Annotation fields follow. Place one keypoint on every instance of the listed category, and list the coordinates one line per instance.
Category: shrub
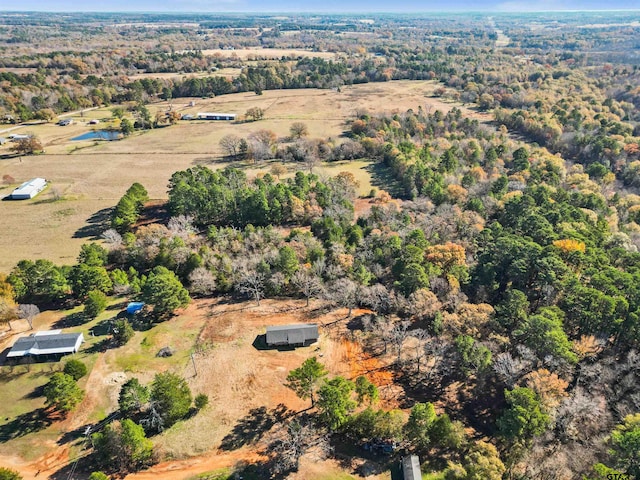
(75, 368)
(8, 474)
(201, 401)
(122, 331)
(95, 304)
(98, 476)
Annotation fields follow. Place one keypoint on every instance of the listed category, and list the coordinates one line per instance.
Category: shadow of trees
(25, 424)
(96, 224)
(71, 320)
(382, 178)
(253, 426)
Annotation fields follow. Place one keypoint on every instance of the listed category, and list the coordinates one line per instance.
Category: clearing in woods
(244, 382)
(87, 178)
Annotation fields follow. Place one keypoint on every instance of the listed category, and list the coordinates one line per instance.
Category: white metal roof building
(52, 342)
(216, 116)
(15, 137)
(411, 468)
(295, 334)
(29, 189)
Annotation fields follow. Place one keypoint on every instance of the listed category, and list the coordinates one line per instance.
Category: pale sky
(351, 6)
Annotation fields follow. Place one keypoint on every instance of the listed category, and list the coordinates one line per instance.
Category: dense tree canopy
(164, 291)
(62, 392)
(170, 397)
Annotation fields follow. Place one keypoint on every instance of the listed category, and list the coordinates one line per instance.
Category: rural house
(298, 334)
(45, 344)
(411, 468)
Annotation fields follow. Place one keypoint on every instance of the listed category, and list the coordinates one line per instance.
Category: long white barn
(216, 116)
(29, 189)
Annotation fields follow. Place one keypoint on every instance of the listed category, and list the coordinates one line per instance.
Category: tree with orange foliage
(446, 256)
(587, 346)
(549, 387)
(358, 127)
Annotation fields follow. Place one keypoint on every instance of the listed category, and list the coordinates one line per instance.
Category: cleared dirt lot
(244, 382)
(91, 176)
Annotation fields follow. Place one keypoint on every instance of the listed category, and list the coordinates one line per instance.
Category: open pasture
(88, 177)
(267, 53)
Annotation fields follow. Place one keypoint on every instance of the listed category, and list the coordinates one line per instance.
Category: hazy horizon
(329, 6)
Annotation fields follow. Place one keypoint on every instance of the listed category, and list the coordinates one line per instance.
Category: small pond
(98, 135)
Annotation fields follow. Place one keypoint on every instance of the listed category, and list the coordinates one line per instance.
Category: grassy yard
(27, 429)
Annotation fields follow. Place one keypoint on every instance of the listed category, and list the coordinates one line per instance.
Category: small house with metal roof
(47, 343)
(298, 334)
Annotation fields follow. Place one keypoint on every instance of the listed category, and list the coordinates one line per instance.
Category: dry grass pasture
(228, 72)
(88, 177)
(267, 53)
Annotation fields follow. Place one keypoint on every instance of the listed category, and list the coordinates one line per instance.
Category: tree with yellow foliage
(446, 256)
(568, 245)
(8, 307)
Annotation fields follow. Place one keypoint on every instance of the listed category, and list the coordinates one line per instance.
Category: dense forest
(503, 258)
(508, 269)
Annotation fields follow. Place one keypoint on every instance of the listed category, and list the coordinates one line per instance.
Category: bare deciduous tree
(231, 145)
(28, 312)
(436, 351)
(202, 281)
(248, 279)
(377, 298)
(296, 439)
(398, 334)
(298, 130)
(580, 416)
(259, 151)
(307, 283)
(344, 293)
(181, 226)
(112, 238)
(509, 369)
(422, 337)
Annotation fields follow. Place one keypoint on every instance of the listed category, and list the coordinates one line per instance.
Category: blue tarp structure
(134, 307)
